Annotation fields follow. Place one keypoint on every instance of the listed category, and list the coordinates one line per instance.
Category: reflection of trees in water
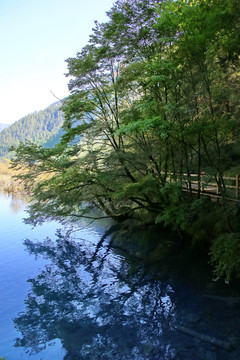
(18, 200)
(98, 309)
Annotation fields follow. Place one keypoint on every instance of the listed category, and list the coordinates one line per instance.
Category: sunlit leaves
(154, 93)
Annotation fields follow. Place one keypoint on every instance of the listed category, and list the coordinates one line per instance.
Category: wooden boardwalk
(208, 186)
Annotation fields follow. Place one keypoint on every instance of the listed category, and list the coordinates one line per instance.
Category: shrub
(225, 255)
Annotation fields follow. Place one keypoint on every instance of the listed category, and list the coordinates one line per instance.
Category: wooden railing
(208, 185)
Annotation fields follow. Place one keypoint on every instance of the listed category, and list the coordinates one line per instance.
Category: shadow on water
(103, 305)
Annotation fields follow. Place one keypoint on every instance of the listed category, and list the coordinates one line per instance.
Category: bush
(225, 256)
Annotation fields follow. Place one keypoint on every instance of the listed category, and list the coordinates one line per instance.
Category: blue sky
(37, 36)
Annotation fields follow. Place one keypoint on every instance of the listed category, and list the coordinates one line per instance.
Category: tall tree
(153, 95)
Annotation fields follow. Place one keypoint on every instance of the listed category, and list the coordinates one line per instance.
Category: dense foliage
(154, 92)
(40, 127)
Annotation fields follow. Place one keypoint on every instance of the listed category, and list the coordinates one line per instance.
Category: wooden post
(202, 180)
(237, 185)
(217, 184)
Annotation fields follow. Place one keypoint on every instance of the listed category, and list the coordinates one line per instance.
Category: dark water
(70, 296)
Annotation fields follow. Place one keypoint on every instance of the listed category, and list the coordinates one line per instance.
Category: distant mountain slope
(40, 127)
(3, 126)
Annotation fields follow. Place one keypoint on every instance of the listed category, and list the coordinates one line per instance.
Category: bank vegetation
(154, 92)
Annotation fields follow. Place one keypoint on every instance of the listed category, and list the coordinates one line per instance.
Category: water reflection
(17, 201)
(94, 306)
(101, 306)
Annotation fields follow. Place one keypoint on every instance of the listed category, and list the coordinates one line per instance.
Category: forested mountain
(3, 126)
(42, 127)
(154, 99)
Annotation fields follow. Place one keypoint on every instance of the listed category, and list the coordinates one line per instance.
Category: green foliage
(153, 93)
(41, 127)
(175, 210)
(205, 221)
(225, 256)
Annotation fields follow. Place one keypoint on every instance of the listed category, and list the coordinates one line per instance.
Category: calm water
(70, 296)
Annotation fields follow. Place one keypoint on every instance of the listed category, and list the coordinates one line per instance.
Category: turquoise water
(69, 296)
(16, 267)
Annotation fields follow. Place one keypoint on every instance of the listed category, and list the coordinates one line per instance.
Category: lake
(66, 294)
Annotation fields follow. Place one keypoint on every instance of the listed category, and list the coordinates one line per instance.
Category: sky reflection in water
(96, 303)
(102, 306)
(85, 300)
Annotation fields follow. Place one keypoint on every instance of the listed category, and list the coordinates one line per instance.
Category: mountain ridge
(3, 126)
(40, 127)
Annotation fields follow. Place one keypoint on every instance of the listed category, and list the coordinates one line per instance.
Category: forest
(3, 126)
(154, 96)
(40, 127)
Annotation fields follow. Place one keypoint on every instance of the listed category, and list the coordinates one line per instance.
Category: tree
(153, 97)
(108, 170)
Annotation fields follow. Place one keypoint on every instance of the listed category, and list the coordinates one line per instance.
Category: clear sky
(36, 37)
